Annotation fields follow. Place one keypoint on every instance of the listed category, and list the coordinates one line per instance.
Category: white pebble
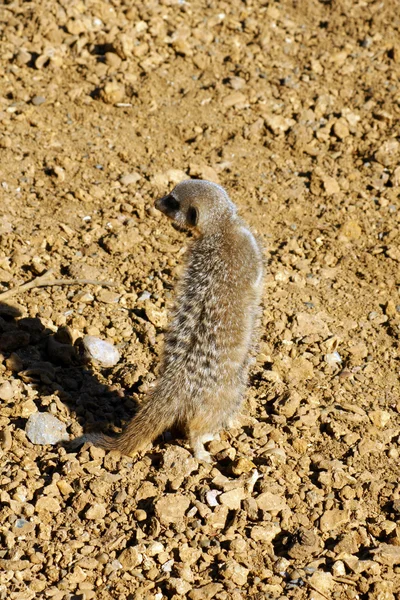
(100, 351)
(44, 428)
(333, 359)
(167, 566)
(211, 497)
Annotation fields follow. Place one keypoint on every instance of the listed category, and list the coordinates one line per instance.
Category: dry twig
(44, 281)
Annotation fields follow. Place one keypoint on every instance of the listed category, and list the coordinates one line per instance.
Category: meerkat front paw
(203, 455)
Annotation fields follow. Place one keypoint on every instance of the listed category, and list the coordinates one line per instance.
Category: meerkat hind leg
(197, 443)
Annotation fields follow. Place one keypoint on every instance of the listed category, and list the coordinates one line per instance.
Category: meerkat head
(198, 204)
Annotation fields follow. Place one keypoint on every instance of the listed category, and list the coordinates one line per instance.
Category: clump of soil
(294, 108)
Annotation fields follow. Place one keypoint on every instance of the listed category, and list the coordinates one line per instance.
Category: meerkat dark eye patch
(192, 216)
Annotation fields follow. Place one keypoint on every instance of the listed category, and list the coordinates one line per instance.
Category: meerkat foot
(203, 455)
(209, 437)
(199, 451)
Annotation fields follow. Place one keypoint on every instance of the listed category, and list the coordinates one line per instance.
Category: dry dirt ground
(294, 107)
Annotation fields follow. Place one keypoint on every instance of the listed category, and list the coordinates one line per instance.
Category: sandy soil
(294, 107)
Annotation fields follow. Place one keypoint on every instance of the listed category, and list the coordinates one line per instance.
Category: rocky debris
(130, 178)
(178, 463)
(171, 508)
(6, 391)
(44, 428)
(99, 351)
(310, 324)
(269, 502)
(96, 512)
(386, 554)
(333, 519)
(235, 572)
(303, 492)
(205, 592)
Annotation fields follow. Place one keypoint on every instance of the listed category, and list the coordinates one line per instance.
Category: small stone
(388, 153)
(155, 548)
(175, 176)
(333, 359)
(112, 60)
(211, 497)
(38, 100)
(75, 26)
(341, 129)
(333, 519)
(233, 571)
(65, 488)
(237, 83)
(45, 428)
(23, 57)
(204, 172)
(96, 512)
(206, 592)
(6, 391)
(84, 297)
(278, 123)
(26, 409)
(310, 324)
(189, 555)
(289, 404)
(140, 514)
(180, 586)
(171, 508)
(182, 47)
(338, 569)
(393, 252)
(390, 309)
(157, 317)
(331, 186)
(281, 566)
(235, 99)
(351, 230)
(108, 297)
(167, 566)
(271, 502)
(100, 351)
(380, 418)
(130, 558)
(386, 554)
(265, 533)
(5, 439)
(112, 93)
(242, 466)
(129, 178)
(322, 582)
(178, 462)
(47, 504)
(368, 446)
(233, 498)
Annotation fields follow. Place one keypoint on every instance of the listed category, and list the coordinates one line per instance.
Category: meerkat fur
(213, 328)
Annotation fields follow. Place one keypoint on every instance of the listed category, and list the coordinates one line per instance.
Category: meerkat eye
(171, 203)
(192, 216)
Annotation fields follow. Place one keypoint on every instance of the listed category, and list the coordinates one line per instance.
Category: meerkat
(213, 328)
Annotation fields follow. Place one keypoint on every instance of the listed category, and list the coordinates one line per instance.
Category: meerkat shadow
(48, 361)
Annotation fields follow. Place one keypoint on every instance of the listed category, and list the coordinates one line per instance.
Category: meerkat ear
(192, 216)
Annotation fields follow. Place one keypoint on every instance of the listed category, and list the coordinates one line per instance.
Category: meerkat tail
(153, 418)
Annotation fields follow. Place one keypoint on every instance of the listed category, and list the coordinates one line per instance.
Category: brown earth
(294, 107)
